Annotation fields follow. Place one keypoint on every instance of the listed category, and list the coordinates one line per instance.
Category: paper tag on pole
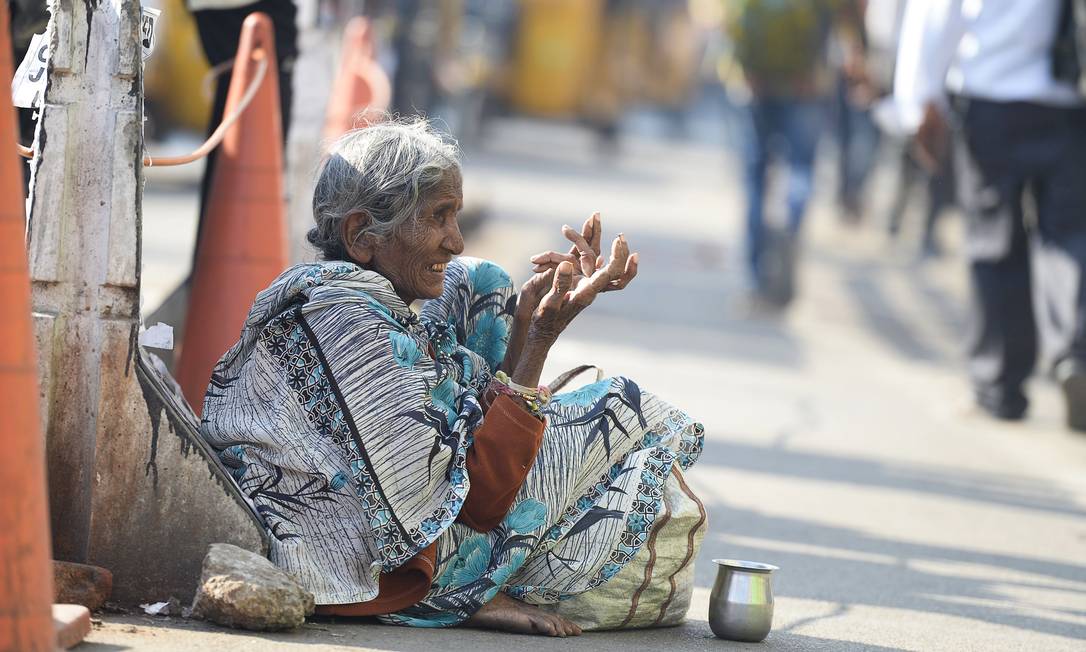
(148, 20)
(28, 85)
(159, 336)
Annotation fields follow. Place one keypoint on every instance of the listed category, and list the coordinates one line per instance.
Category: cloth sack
(655, 588)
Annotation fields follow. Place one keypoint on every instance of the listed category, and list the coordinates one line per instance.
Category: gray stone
(241, 589)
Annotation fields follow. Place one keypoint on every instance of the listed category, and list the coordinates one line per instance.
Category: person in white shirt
(982, 71)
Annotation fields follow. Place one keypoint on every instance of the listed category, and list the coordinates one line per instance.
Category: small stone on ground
(241, 589)
(82, 584)
(72, 623)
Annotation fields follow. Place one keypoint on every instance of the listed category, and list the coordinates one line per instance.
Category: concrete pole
(132, 487)
(26, 582)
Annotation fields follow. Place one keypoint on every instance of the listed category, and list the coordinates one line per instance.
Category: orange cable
(215, 139)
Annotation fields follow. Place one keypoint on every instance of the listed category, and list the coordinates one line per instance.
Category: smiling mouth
(439, 268)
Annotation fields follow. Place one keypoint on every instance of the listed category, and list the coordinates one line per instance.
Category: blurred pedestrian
(781, 46)
(1019, 146)
(937, 190)
(882, 28)
(857, 134)
(219, 24)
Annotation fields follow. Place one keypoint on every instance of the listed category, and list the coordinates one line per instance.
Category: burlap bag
(654, 589)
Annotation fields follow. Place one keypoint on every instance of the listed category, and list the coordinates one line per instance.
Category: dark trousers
(1022, 183)
(938, 191)
(220, 31)
(795, 124)
(857, 144)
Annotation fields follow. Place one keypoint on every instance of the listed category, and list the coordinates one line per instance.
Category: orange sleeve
(498, 461)
(397, 590)
(504, 450)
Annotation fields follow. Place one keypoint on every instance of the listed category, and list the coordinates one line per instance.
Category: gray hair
(384, 171)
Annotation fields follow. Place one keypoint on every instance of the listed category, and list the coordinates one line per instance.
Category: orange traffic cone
(26, 594)
(243, 244)
(362, 91)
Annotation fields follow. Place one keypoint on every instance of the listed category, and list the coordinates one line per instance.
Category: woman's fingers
(627, 275)
(563, 280)
(585, 253)
(589, 231)
(539, 283)
(587, 289)
(616, 267)
(551, 256)
(597, 233)
(549, 259)
(592, 232)
(620, 255)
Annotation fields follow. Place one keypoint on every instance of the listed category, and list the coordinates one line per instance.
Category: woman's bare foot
(510, 615)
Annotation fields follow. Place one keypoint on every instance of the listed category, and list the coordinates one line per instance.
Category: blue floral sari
(346, 420)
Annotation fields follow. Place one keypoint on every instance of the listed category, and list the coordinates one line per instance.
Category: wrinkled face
(414, 259)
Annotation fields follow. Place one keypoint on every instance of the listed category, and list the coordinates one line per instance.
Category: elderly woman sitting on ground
(410, 466)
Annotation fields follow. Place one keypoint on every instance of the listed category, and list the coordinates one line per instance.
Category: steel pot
(741, 604)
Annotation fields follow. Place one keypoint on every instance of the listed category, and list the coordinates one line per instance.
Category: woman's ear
(359, 247)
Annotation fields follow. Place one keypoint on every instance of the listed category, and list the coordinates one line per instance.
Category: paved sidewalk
(840, 442)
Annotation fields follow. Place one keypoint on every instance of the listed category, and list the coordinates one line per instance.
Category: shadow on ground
(1000, 489)
(693, 635)
(846, 566)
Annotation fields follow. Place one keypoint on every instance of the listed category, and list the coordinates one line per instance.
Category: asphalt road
(840, 442)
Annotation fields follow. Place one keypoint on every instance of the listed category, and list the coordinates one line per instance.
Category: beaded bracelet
(535, 398)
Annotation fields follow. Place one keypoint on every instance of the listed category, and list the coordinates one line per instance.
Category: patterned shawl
(347, 437)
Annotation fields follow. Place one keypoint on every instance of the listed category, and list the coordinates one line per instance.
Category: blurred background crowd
(805, 98)
(865, 88)
(824, 67)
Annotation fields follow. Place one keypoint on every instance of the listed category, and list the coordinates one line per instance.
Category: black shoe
(1072, 377)
(1002, 406)
(778, 268)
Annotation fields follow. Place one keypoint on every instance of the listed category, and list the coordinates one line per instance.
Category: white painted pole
(131, 485)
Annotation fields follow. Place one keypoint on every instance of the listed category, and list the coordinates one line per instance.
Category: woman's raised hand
(572, 290)
(563, 286)
(585, 256)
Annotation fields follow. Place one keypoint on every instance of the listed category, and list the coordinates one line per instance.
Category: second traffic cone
(243, 245)
(26, 595)
(362, 91)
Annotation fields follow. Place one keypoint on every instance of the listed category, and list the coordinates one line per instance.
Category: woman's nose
(454, 241)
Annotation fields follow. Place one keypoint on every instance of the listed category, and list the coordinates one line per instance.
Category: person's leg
(219, 31)
(907, 172)
(1002, 340)
(867, 140)
(803, 123)
(940, 190)
(859, 143)
(1061, 249)
(755, 163)
(843, 130)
